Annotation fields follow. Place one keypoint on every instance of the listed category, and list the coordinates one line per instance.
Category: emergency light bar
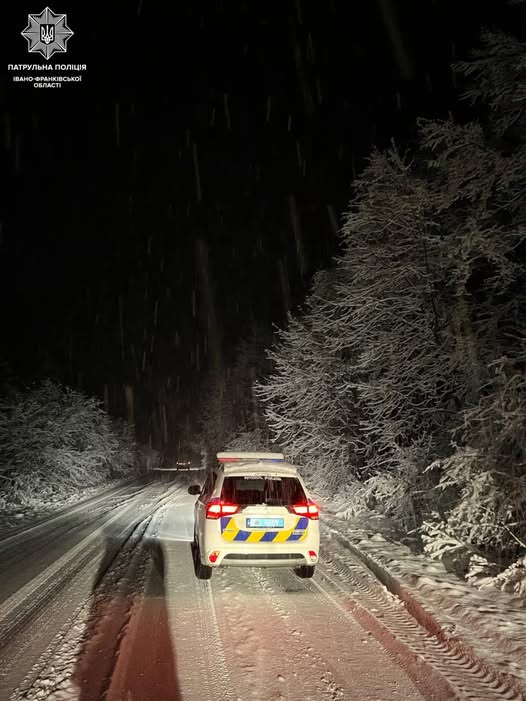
(250, 457)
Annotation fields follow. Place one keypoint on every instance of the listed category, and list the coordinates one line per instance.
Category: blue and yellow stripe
(231, 532)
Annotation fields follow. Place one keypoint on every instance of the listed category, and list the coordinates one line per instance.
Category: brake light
(310, 510)
(216, 508)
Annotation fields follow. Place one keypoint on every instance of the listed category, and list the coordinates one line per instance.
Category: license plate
(265, 523)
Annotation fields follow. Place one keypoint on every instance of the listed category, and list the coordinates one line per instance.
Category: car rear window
(274, 491)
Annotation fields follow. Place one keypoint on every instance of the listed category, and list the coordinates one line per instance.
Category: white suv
(254, 511)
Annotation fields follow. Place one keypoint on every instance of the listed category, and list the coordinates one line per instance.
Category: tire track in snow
(184, 651)
(284, 641)
(21, 559)
(430, 684)
(348, 657)
(122, 579)
(84, 658)
(54, 575)
(18, 609)
(220, 675)
(379, 611)
(42, 527)
(308, 656)
(201, 665)
(254, 654)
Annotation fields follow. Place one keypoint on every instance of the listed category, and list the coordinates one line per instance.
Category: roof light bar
(250, 457)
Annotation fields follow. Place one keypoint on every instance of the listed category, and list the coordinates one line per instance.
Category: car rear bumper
(260, 557)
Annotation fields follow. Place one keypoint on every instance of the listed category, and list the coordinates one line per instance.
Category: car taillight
(310, 510)
(216, 508)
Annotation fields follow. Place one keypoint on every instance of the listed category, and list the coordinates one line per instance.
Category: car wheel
(201, 571)
(305, 571)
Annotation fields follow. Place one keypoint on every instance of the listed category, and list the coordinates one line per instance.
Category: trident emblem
(47, 33)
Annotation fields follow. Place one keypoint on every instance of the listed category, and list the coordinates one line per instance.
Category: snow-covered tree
(308, 406)
(398, 356)
(395, 317)
(481, 191)
(231, 411)
(497, 71)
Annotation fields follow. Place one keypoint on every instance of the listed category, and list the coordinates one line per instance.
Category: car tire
(305, 571)
(201, 571)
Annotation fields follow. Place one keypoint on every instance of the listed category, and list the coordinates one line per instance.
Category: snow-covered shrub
(351, 499)
(481, 572)
(254, 440)
(488, 472)
(405, 494)
(441, 543)
(513, 578)
(488, 575)
(55, 441)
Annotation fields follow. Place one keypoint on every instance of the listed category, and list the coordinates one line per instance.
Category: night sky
(189, 187)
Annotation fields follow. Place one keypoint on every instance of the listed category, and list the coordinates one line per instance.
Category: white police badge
(47, 33)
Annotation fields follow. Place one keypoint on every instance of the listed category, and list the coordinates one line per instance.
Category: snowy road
(104, 604)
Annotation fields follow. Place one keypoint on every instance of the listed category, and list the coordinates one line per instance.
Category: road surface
(101, 602)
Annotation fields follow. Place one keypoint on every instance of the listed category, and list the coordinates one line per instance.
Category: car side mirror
(194, 489)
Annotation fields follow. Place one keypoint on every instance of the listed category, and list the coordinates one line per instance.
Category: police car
(254, 511)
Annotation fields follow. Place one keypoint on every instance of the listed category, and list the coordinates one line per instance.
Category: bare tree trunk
(468, 348)
(130, 408)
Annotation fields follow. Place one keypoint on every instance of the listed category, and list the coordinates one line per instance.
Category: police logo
(47, 33)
